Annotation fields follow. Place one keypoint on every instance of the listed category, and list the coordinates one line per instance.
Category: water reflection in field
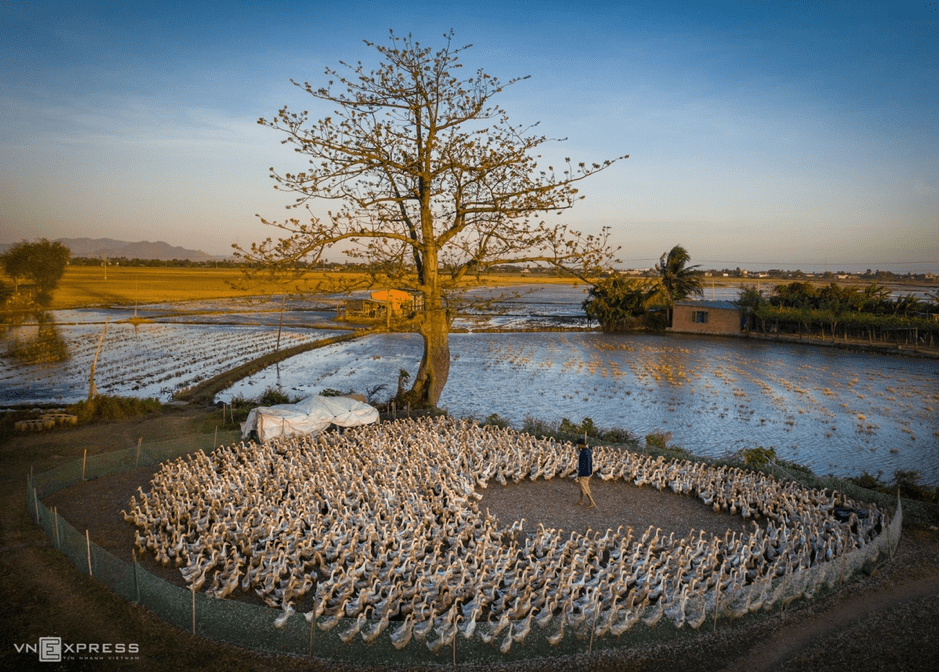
(145, 360)
(834, 411)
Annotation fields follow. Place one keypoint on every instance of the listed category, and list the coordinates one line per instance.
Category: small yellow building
(382, 304)
(399, 300)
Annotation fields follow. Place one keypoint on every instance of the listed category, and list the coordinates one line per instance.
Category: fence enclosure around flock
(252, 626)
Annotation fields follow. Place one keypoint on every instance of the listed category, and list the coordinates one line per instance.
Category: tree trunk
(435, 365)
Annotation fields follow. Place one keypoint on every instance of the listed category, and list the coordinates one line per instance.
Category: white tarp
(309, 416)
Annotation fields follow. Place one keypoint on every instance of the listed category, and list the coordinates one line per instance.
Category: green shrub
(273, 396)
(658, 440)
(497, 420)
(107, 407)
(677, 453)
(869, 482)
(238, 409)
(587, 426)
(758, 457)
(534, 426)
(240, 406)
(907, 482)
(619, 435)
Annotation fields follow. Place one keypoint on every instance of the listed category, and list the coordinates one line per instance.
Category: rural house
(382, 305)
(708, 317)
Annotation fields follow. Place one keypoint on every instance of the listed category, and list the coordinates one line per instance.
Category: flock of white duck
(379, 528)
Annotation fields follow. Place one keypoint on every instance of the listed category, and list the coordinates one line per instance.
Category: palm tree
(677, 278)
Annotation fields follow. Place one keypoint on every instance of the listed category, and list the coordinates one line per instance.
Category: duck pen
(591, 613)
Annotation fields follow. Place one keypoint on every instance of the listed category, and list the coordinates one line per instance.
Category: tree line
(171, 263)
(870, 312)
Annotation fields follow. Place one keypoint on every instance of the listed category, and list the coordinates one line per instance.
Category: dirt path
(205, 391)
(792, 640)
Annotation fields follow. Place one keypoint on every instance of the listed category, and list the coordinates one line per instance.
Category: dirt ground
(886, 621)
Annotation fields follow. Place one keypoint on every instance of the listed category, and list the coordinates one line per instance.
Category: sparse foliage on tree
(431, 184)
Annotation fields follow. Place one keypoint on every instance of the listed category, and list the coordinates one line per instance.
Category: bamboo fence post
(84, 461)
(717, 595)
(280, 327)
(88, 549)
(55, 519)
(136, 578)
(312, 630)
(36, 504)
(215, 442)
(844, 558)
(137, 458)
(596, 615)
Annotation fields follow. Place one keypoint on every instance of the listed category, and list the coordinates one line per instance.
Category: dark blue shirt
(585, 462)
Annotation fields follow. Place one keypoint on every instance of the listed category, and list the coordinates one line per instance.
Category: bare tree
(432, 183)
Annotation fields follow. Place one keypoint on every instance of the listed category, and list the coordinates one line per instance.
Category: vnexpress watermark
(54, 650)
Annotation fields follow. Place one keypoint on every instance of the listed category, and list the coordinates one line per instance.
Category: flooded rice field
(181, 346)
(835, 411)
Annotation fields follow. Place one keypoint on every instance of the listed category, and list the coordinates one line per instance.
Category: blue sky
(760, 134)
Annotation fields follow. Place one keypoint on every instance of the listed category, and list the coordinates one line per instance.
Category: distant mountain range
(110, 248)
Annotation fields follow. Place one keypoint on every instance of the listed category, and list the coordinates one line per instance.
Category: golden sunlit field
(84, 286)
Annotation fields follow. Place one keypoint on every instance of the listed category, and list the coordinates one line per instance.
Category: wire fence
(252, 626)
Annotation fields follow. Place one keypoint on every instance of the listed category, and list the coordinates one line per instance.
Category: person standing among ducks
(584, 472)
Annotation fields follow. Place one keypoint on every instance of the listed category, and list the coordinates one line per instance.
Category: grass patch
(906, 483)
(106, 407)
(236, 411)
